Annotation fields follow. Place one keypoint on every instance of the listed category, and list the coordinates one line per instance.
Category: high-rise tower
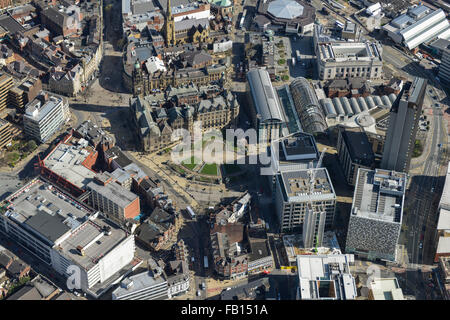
(403, 123)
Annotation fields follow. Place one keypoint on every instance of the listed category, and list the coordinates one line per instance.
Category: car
(439, 145)
(420, 245)
(199, 293)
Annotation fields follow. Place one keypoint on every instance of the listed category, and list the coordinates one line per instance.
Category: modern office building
(376, 214)
(45, 115)
(442, 238)
(111, 198)
(68, 236)
(265, 108)
(403, 124)
(24, 92)
(293, 195)
(148, 285)
(5, 133)
(325, 277)
(444, 67)
(341, 59)
(385, 289)
(307, 106)
(354, 152)
(6, 83)
(294, 152)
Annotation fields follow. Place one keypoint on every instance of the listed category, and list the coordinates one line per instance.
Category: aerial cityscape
(224, 150)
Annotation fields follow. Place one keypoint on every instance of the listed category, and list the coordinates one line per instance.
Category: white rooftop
(66, 160)
(443, 245)
(444, 219)
(285, 9)
(386, 289)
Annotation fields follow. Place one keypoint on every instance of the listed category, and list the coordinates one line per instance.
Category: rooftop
(114, 192)
(36, 110)
(326, 277)
(386, 289)
(379, 194)
(444, 220)
(296, 185)
(139, 282)
(443, 246)
(301, 146)
(47, 212)
(445, 197)
(96, 238)
(358, 145)
(264, 97)
(67, 160)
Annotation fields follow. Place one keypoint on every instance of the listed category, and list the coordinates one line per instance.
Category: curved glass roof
(285, 9)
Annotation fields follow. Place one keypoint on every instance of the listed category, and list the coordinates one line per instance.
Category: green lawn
(210, 169)
(191, 163)
(418, 149)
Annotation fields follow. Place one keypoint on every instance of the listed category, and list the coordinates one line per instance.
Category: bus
(191, 212)
(206, 262)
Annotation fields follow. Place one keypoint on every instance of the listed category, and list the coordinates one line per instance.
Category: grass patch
(209, 169)
(281, 62)
(418, 149)
(191, 163)
(285, 77)
(178, 169)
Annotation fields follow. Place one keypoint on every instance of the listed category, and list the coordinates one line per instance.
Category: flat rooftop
(138, 282)
(66, 160)
(386, 289)
(318, 276)
(300, 146)
(95, 242)
(347, 51)
(48, 212)
(444, 219)
(358, 145)
(293, 244)
(379, 194)
(115, 192)
(36, 110)
(297, 185)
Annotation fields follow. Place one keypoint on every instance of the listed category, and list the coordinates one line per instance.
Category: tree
(31, 146)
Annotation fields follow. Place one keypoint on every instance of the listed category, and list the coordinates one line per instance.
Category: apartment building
(293, 196)
(45, 115)
(5, 133)
(6, 83)
(109, 197)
